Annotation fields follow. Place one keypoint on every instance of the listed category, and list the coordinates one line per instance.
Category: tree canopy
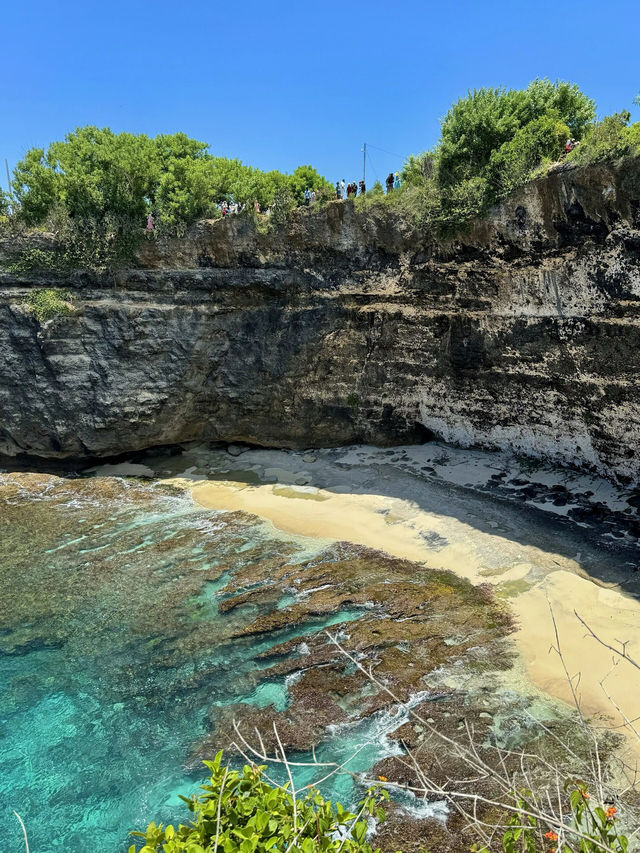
(484, 120)
(96, 173)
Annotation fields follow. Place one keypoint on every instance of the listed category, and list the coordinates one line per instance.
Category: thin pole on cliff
(6, 165)
(364, 164)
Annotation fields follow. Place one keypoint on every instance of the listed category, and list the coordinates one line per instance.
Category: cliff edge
(350, 325)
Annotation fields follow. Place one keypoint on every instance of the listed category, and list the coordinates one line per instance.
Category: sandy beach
(534, 580)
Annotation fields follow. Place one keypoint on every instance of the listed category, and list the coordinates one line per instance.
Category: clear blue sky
(280, 83)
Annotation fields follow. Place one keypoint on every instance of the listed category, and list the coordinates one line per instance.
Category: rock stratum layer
(350, 326)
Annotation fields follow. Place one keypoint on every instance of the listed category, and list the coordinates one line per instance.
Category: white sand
(612, 615)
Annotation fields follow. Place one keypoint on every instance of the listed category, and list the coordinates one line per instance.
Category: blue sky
(280, 83)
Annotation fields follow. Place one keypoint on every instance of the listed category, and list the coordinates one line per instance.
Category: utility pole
(364, 164)
(6, 165)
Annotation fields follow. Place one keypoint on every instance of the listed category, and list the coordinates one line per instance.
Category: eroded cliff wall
(351, 327)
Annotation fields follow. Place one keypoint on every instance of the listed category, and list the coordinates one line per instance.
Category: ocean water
(113, 651)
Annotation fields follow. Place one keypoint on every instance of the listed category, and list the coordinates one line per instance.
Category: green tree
(306, 177)
(92, 172)
(36, 186)
(486, 119)
(418, 168)
(95, 174)
(186, 192)
(512, 164)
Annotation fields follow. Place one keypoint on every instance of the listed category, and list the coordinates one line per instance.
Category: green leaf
(359, 831)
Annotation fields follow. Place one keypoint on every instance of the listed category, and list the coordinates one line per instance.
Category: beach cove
(188, 589)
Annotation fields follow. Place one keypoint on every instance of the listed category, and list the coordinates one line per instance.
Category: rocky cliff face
(351, 327)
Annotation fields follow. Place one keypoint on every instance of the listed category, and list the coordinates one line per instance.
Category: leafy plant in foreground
(240, 813)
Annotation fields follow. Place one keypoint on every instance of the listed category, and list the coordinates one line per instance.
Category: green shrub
(486, 119)
(513, 163)
(418, 168)
(608, 139)
(48, 303)
(283, 203)
(239, 813)
(34, 259)
(462, 202)
(82, 243)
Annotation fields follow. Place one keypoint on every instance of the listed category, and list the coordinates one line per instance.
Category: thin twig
(290, 775)
(224, 779)
(621, 653)
(24, 831)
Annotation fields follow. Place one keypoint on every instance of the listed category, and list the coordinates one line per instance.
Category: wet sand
(534, 580)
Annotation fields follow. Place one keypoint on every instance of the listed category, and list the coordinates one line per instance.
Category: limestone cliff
(351, 326)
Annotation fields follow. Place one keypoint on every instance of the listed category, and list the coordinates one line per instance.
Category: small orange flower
(382, 778)
(585, 795)
(552, 836)
(611, 811)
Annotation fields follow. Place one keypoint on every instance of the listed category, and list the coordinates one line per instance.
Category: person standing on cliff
(149, 222)
(389, 182)
(338, 190)
(313, 196)
(342, 186)
(396, 181)
(363, 188)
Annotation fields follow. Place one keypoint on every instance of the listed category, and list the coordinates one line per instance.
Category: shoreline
(532, 579)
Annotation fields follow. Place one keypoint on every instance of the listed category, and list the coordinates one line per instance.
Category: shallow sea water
(113, 650)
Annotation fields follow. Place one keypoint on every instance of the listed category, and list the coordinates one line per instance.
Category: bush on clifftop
(479, 124)
(608, 139)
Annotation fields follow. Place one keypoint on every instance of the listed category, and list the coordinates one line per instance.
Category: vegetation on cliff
(495, 140)
(47, 303)
(94, 188)
(95, 173)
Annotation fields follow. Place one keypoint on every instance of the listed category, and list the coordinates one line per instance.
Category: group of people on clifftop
(351, 190)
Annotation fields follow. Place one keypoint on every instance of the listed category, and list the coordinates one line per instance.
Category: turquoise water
(113, 650)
